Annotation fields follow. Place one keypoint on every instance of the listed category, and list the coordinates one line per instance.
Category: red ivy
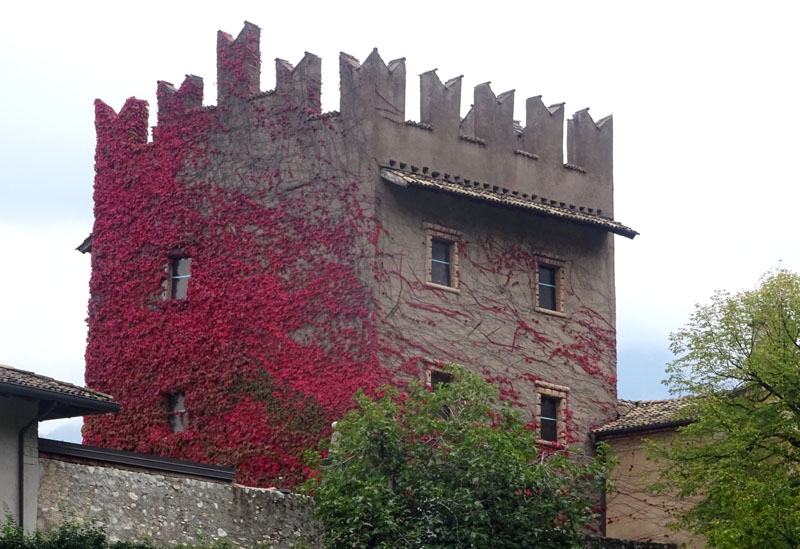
(280, 326)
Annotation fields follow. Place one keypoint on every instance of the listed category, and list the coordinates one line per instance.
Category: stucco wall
(133, 505)
(15, 414)
(633, 512)
(491, 325)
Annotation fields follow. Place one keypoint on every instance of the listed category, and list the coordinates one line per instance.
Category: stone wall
(135, 505)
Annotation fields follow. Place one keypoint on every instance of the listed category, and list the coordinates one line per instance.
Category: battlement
(487, 143)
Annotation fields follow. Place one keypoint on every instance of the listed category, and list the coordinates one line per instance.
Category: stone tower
(259, 261)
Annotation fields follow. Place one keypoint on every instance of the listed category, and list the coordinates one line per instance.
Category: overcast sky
(705, 119)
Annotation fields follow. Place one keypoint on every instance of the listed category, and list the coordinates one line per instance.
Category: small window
(442, 257)
(180, 273)
(549, 418)
(178, 418)
(549, 286)
(551, 399)
(441, 262)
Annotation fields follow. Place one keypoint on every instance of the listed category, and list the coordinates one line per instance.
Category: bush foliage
(450, 468)
(78, 536)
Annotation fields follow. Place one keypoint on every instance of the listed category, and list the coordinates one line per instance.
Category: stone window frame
(439, 232)
(560, 392)
(560, 266)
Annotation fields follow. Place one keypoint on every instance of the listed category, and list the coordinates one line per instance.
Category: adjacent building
(26, 399)
(633, 511)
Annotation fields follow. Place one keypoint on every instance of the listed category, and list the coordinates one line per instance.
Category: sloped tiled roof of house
(643, 415)
(68, 399)
(494, 194)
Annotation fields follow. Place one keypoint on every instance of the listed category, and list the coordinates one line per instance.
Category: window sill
(550, 312)
(441, 287)
(550, 444)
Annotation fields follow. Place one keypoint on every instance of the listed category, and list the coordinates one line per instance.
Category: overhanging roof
(502, 197)
(644, 415)
(56, 398)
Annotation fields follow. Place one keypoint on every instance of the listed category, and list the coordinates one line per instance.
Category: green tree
(450, 468)
(740, 457)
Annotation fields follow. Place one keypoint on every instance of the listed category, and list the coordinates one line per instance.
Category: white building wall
(15, 413)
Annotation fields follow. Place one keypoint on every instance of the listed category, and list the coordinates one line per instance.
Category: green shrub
(80, 536)
(450, 468)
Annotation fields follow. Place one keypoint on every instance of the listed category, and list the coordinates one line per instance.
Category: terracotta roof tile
(494, 194)
(12, 377)
(640, 415)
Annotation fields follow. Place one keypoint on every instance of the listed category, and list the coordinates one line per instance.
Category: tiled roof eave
(405, 179)
(609, 431)
(636, 416)
(70, 404)
(66, 399)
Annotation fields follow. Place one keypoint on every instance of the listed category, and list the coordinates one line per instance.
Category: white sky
(703, 96)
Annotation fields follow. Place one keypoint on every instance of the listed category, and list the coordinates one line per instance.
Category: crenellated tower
(259, 261)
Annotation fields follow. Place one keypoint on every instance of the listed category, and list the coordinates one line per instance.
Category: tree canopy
(453, 467)
(739, 459)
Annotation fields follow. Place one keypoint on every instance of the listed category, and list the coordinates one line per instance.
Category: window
(179, 272)
(549, 286)
(548, 418)
(440, 261)
(176, 412)
(439, 379)
(442, 257)
(551, 402)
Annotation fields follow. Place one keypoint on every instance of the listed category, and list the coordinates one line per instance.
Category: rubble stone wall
(140, 505)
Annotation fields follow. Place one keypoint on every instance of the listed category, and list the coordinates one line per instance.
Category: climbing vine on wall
(273, 338)
(298, 295)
